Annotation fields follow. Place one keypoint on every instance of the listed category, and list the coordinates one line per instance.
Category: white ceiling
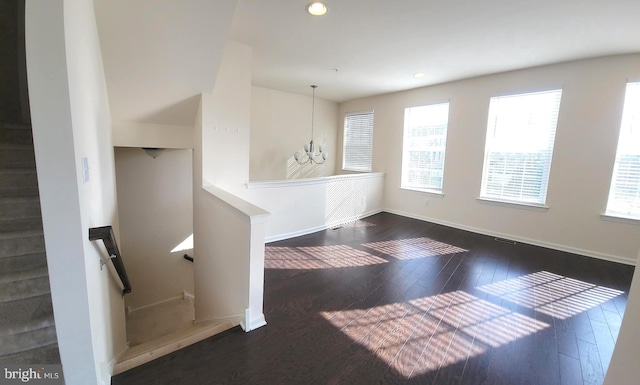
(377, 45)
(159, 55)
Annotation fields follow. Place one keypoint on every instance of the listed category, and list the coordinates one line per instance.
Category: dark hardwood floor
(392, 300)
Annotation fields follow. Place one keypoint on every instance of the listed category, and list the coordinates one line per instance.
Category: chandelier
(311, 155)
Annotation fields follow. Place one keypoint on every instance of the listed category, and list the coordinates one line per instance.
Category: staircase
(27, 330)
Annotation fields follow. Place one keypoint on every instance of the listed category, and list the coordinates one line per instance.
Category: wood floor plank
(570, 371)
(392, 300)
(590, 362)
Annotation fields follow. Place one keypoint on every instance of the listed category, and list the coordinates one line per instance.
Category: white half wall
(304, 206)
(281, 125)
(585, 146)
(155, 203)
(71, 127)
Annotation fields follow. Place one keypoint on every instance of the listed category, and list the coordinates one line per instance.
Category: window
(624, 195)
(520, 134)
(423, 147)
(358, 141)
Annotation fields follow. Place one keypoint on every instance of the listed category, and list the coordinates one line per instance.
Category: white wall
(624, 368)
(228, 242)
(155, 204)
(139, 134)
(71, 121)
(307, 205)
(281, 125)
(585, 146)
(226, 121)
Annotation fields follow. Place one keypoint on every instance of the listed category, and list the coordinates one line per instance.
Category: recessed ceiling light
(317, 8)
(418, 75)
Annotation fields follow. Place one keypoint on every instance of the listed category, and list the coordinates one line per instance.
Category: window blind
(624, 193)
(423, 147)
(358, 142)
(519, 144)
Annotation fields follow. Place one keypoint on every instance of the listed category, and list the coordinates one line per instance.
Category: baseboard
(548, 245)
(325, 226)
(107, 367)
(183, 296)
(248, 324)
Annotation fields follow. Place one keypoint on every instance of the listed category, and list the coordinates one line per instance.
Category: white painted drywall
(281, 125)
(139, 134)
(303, 206)
(226, 120)
(624, 368)
(155, 204)
(583, 157)
(71, 121)
(228, 244)
(160, 55)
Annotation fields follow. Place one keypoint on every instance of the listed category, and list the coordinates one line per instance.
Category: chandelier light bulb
(309, 149)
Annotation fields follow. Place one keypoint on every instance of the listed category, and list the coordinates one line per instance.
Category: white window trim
(344, 140)
(626, 122)
(429, 190)
(513, 202)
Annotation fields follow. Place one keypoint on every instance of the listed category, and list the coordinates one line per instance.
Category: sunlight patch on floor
(552, 294)
(421, 335)
(317, 257)
(414, 248)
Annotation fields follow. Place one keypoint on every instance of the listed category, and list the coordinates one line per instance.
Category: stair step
(170, 343)
(16, 134)
(31, 336)
(18, 193)
(25, 310)
(24, 275)
(33, 324)
(44, 355)
(14, 207)
(23, 285)
(18, 126)
(20, 224)
(20, 263)
(17, 156)
(18, 178)
(21, 243)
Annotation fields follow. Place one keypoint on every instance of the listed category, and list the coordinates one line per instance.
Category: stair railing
(105, 233)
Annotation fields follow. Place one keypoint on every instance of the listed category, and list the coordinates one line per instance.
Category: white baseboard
(554, 246)
(325, 226)
(180, 297)
(248, 324)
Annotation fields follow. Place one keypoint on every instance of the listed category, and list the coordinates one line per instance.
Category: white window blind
(624, 194)
(358, 141)
(423, 147)
(520, 135)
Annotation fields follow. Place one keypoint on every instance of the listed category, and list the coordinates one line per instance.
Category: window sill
(620, 219)
(430, 192)
(514, 204)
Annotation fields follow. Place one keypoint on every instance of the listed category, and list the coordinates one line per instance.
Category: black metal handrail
(106, 234)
